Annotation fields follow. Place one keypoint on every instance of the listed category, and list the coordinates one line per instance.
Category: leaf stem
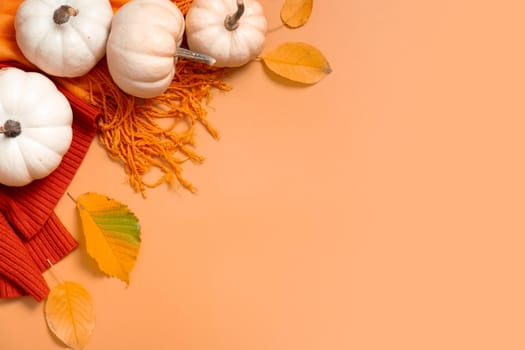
(53, 272)
(71, 197)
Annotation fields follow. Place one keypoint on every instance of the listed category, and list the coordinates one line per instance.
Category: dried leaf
(295, 13)
(70, 314)
(298, 61)
(112, 234)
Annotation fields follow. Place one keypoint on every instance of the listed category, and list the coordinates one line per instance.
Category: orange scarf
(144, 135)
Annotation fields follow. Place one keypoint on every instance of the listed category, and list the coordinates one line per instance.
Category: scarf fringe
(156, 133)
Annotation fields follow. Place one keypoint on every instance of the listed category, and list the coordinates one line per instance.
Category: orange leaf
(298, 62)
(112, 234)
(295, 13)
(69, 314)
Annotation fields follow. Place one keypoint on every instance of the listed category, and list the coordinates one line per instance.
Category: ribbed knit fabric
(28, 207)
(28, 212)
(52, 243)
(17, 266)
(9, 290)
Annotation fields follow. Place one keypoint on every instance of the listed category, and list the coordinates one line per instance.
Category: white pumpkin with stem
(35, 126)
(64, 38)
(231, 31)
(144, 45)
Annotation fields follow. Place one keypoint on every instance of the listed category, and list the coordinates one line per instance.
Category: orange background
(379, 209)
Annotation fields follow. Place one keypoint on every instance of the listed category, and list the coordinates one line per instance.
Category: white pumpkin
(64, 38)
(233, 32)
(144, 45)
(35, 126)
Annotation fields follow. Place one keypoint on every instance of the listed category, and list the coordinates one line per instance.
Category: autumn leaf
(295, 13)
(70, 314)
(299, 62)
(112, 234)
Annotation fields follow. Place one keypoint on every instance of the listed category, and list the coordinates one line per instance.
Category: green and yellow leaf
(296, 13)
(112, 234)
(70, 314)
(297, 61)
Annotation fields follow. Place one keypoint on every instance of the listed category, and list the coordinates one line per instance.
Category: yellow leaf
(297, 61)
(70, 314)
(112, 234)
(295, 13)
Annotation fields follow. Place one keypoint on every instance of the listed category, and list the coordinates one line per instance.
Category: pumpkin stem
(231, 22)
(63, 13)
(11, 128)
(195, 56)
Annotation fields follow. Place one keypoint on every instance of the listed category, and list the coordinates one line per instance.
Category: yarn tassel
(156, 133)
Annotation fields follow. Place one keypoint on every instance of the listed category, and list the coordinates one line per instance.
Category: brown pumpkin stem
(63, 13)
(195, 56)
(231, 22)
(11, 128)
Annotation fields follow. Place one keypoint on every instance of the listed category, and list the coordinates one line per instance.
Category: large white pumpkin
(144, 45)
(35, 126)
(64, 38)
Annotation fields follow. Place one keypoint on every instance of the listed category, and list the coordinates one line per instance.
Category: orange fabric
(129, 127)
(28, 211)
(8, 49)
